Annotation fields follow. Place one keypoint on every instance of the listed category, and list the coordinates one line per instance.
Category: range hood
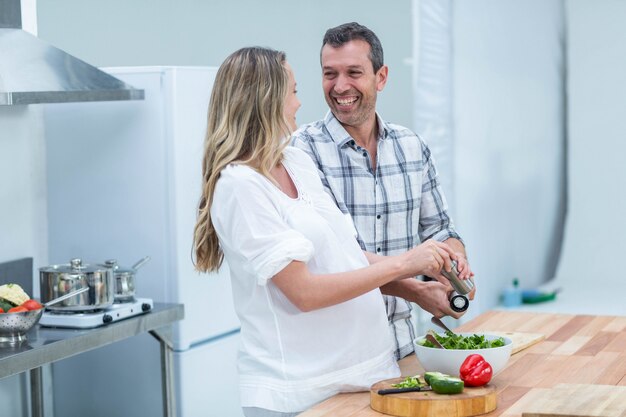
(32, 71)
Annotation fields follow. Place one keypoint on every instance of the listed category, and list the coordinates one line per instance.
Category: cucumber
(5, 305)
(447, 385)
(432, 375)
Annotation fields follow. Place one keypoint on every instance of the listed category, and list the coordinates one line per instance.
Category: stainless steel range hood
(32, 71)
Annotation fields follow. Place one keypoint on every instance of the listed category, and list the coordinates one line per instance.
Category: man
(380, 173)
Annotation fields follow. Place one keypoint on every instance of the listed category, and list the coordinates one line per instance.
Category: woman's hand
(429, 258)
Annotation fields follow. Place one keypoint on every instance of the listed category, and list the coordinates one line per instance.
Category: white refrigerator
(123, 182)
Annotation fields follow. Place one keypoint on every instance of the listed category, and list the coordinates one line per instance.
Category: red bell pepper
(475, 371)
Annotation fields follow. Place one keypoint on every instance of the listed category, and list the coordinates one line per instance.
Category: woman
(313, 322)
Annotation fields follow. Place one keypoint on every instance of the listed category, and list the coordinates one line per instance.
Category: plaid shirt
(393, 208)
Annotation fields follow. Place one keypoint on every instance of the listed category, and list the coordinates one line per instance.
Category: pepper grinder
(458, 300)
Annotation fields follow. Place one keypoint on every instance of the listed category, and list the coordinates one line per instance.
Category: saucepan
(59, 280)
(124, 279)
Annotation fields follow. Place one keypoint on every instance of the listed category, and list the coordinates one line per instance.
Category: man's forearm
(406, 288)
(430, 296)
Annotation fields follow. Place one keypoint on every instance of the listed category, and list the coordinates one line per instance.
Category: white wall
(597, 131)
(589, 271)
(22, 185)
(195, 32)
(509, 135)
(537, 138)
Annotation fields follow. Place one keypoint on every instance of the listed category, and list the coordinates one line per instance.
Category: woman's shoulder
(238, 172)
(237, 177)
(240, 186)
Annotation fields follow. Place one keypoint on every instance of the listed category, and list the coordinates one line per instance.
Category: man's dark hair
(347, 32)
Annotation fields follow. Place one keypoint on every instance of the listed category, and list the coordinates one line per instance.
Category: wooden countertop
(578, 349)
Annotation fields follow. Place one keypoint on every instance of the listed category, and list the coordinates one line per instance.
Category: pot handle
(140, 263)
(66, 296)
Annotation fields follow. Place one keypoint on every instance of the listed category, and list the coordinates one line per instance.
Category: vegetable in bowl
(13, 299)
(18, 314)
(457, 341)
(495, 349)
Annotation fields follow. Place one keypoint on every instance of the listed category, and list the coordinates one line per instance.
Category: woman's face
(292, 104)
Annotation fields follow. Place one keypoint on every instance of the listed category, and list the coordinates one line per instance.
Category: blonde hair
(245, 125)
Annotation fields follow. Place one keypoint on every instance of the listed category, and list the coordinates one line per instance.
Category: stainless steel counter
(47, 345)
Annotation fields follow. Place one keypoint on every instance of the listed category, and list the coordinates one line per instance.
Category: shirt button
(352, 142)
(378, 216)
(364, 153)
(377, 249)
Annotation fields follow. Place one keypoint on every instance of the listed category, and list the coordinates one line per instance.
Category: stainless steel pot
(124, 279)
(59, 280)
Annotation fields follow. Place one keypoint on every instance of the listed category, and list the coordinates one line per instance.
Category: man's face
(349, 82)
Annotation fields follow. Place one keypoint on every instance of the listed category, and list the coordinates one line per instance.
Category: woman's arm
(431, 296)
(311, 292)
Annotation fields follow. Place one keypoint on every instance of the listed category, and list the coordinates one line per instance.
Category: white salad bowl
(448, 361)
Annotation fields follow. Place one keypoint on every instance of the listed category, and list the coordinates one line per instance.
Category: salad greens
(409, 382)
(456, 341)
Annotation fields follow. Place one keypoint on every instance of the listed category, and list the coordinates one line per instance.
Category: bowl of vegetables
(18, 313)
(496, 350)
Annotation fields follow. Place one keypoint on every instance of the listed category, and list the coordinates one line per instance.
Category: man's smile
(346, 101)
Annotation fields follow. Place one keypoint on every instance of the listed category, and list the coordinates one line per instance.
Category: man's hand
(462, 266)
(432, 296)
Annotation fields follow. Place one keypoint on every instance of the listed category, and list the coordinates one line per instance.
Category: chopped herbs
(456, 341)
(409, 382)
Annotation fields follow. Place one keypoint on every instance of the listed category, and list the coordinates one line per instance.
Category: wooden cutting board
(580, 400)
(471, 402)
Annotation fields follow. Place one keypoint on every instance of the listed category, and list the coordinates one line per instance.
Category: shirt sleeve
(248, 222)
(435, 223)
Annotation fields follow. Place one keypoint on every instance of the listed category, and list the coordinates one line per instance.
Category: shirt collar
(341, 137)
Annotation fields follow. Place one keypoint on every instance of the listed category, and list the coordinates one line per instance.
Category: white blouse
(290, 360)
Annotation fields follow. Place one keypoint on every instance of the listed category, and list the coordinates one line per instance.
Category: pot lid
(76, 266)
(112, 263)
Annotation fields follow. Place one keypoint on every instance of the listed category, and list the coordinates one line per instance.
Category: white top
(290, 360)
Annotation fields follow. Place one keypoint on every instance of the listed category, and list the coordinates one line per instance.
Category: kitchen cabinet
(47, 345)
(577, 349)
